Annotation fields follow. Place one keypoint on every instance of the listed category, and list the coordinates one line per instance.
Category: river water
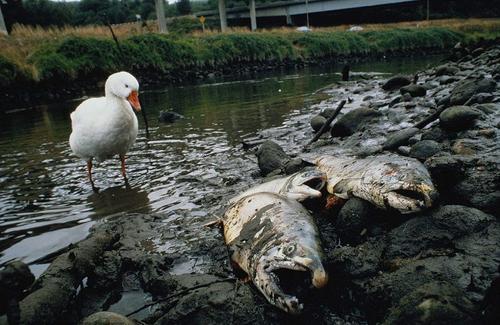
(46, 202)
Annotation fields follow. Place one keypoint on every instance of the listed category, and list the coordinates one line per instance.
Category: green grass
(93, 58)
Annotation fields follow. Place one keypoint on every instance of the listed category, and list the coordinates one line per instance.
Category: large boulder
(396, 83)
(271, 157)
(353, 121)
(457, 118)
(466, 89)
(413, 90)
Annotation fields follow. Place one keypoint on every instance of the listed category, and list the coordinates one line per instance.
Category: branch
(327, 123)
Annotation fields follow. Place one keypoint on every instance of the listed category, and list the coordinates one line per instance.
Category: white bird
(106, 126)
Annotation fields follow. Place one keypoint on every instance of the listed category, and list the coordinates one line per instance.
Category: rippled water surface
(47, 203)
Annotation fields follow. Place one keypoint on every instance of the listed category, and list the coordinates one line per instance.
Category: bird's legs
(124, 174)
(89, 171)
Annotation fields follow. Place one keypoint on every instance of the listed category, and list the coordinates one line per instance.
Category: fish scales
(267, 232)
(389, 181)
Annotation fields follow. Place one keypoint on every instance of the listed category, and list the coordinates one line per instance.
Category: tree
(184, 7)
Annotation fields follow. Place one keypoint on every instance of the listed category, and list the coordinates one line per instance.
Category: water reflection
(119, 199)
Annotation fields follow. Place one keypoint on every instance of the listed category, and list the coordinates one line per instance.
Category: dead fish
(269, 237)
(299, 186)
(388, 181)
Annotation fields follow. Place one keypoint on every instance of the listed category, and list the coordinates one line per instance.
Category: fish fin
(213, 223)
(334, 200)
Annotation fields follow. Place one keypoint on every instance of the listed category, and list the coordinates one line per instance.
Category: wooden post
(3, 28)
(222, 15)
(427, 9)
(160, 15)
(253, 16)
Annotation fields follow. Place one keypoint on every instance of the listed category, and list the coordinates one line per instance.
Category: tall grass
(59, 55)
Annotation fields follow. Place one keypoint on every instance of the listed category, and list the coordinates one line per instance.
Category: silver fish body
(268, 233)
(388, 181)
(299, 186)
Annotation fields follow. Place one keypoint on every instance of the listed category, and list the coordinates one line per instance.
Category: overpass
(288, 9)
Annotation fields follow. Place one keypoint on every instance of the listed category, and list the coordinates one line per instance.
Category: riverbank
(53, 68)
(384, 267)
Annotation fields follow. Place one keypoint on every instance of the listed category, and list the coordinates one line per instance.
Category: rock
(327, 112)
(396, 83)
(491, 301)
(458, 118)
(169, 116)
(435, 133)
(464, 147)
(413, 90)
(444, 80)
(15, 277)
(395, 101)
(435, 302)
(399, 138)
(217, 303)
(406, 97)
(353, 121)
(489, 108)
(352, 219)
(446, 70)
(271, 157)
(107, 318)
(445, 170)
(466, 89)
(294, 165)
(435, 230)
(480, 98)
(424, 149)
(317, 122)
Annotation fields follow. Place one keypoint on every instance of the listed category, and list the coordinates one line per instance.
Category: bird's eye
(126, 86)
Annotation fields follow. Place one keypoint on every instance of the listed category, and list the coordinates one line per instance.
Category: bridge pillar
(289, 20)
(222, 15)
(253, 16)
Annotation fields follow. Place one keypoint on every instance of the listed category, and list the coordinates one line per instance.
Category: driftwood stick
(55, 289)
(430, 118)
(180, 293)
(327, 123)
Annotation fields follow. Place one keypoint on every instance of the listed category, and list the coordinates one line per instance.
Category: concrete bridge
(289, 9)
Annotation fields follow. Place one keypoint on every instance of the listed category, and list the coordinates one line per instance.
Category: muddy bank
(441, 265)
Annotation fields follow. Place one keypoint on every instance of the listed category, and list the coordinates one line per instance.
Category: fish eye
(289, 249)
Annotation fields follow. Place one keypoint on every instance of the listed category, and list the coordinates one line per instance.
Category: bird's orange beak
(133, 99)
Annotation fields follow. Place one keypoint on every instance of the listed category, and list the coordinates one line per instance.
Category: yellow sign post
(202, 21)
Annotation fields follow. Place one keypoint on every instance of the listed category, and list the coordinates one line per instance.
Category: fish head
(305, 185)
(405, 186)
(287, 272)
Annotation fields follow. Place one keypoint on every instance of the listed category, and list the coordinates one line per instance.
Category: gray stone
(413, 90)
(446, 70)
(353, 121)
(270, 157)
(352, 219)
(396, 83)
(317, 122)
(399, 138)
(424, 149)
(468, 88)
(107, 318)
(436, 302)
(328, 112)
(457, 118)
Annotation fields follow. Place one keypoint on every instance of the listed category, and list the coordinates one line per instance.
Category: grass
(57, 55)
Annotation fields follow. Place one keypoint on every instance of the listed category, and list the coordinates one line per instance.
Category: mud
(438, 266)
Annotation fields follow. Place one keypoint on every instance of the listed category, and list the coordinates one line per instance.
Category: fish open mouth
(408, 200)
(291, 284)
(317, 183)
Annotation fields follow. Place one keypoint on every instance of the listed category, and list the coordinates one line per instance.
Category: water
(180, 171)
